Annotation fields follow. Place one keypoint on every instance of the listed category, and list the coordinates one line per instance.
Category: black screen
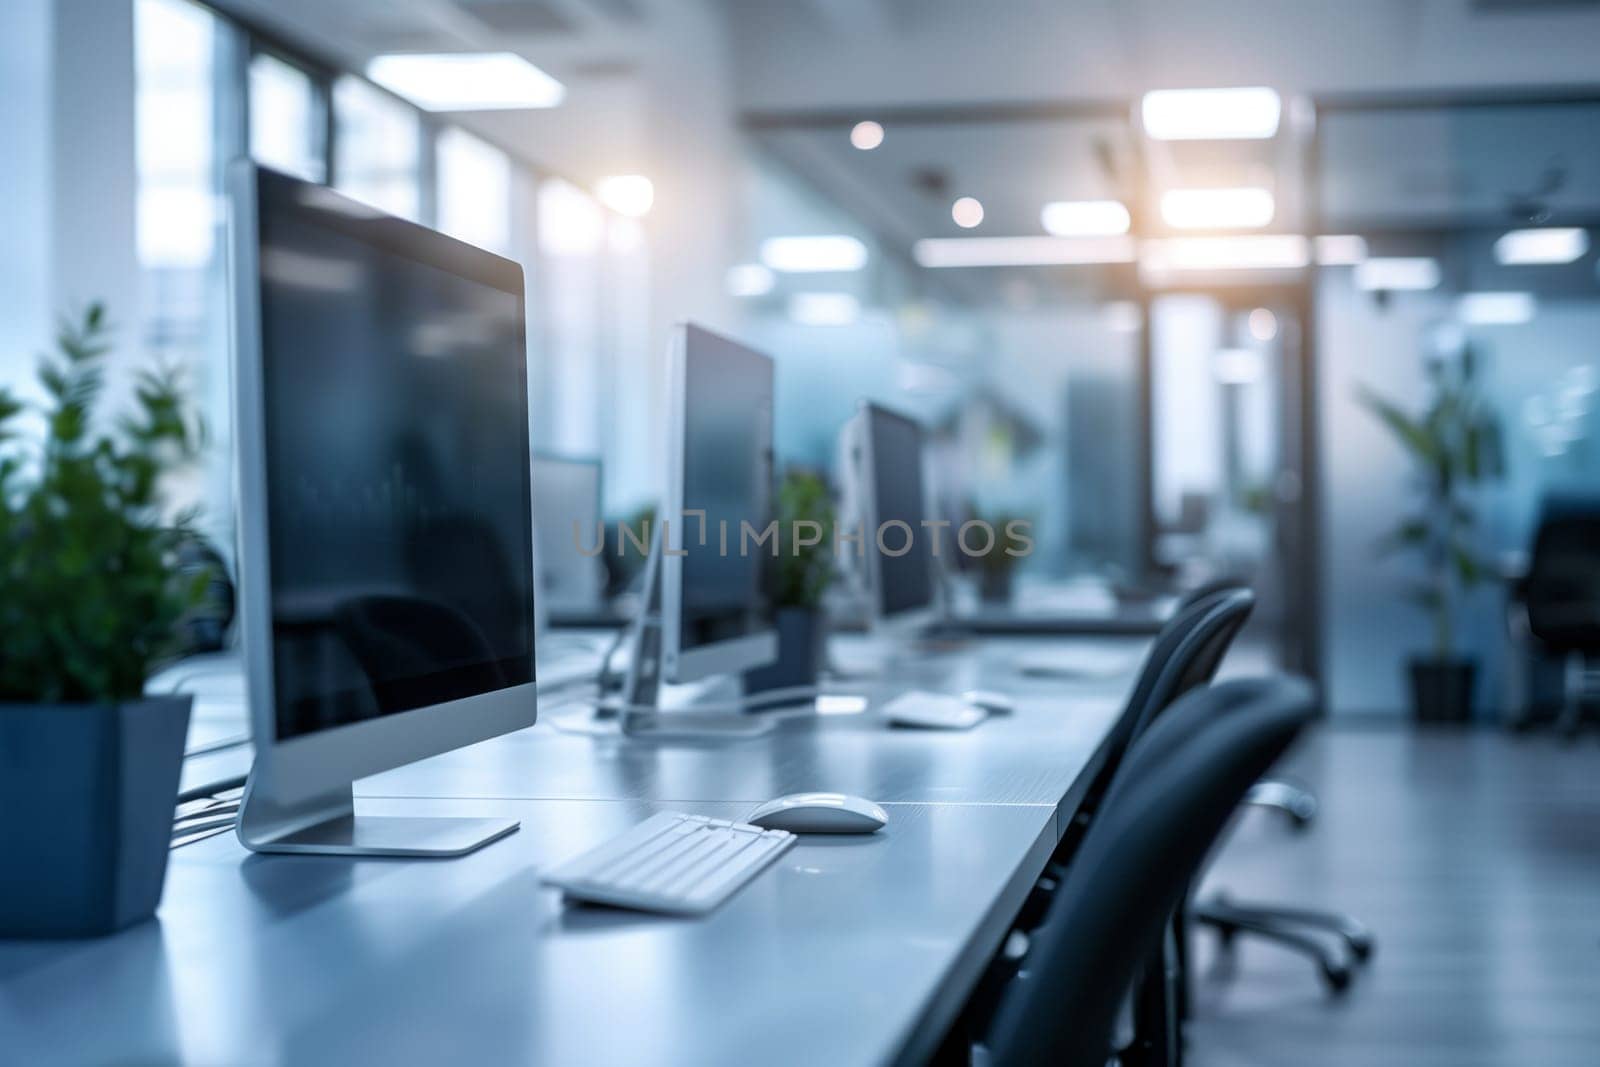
(396, 455)
(905, 581)
(726, 591)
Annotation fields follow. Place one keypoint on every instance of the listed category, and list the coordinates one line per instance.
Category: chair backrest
(1562, 590)
(1225, 584)
(1182, 780)
(1186, 655)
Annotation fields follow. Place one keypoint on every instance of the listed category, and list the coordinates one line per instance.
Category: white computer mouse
(990, 701)
(820, 813)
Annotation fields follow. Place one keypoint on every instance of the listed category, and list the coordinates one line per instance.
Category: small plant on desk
(91, 593)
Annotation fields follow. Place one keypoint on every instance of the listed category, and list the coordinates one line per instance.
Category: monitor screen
(905, 580)
(726, 588)
(395, 447)
(566, 516)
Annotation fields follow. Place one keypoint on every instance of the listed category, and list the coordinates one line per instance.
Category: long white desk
(848, 950)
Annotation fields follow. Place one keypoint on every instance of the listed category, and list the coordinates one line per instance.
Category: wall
(25, 268)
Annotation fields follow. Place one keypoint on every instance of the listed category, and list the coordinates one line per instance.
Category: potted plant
(804, 571)
(1455, 445)
(996, 566)
(91, 593)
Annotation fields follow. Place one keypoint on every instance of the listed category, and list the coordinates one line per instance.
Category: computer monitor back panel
(898, 549)
(385, 514)
(717, 596)
(566, 508)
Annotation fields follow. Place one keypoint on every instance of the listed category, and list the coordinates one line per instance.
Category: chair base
(1294, 928)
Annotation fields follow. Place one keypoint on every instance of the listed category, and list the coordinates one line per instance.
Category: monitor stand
(641, 714)
(328, 825)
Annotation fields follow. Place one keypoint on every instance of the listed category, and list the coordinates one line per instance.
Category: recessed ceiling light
(1210, 114)
(627, 194)
(467, 81)
(1085, 218)
(967, 212)
(1263, 324)
(1552, 244)
(866, 135)
(824, 309)
(808, 255)
(1216, 209)
(1496, 309)
(1394, 273)
(1340, 249)
(1020, 251)
(750, 279)
(1277, 251)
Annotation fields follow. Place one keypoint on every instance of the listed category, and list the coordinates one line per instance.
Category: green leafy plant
(91, 589)
(1455, 446)
(804, 570)
(997, 560)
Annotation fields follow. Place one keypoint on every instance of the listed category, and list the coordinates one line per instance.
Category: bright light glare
(1252, 252)
(1210, 114)
(1021, 251)
(967, 212)
(1263, 324)
(1397, 273)
(824, 309)
(1216, 209)
(1340, 249)
(466, 81)
(1496, 309)
(1237, 366)
(866, 135)
(1085, 218)
(627, 194)
(809, 255)
(571, 223)
(749, 279)
(1549, 245)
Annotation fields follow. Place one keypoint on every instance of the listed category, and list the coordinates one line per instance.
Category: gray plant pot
(1441, 690)
(801, 636)
(87, 793)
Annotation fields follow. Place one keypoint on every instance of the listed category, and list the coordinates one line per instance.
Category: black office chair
(1183, 778)
(1561, 595)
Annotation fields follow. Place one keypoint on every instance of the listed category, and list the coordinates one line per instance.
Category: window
(285, 131)
(377, 149)
(474, 183)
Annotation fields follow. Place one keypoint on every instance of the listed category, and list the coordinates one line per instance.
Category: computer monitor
(717, 571)
(882, 457)
(566, 520)
(384, 510)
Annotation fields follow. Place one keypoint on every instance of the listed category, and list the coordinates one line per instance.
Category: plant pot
(994, 585)
(87, 793)
(802, 633)
(1441, 690)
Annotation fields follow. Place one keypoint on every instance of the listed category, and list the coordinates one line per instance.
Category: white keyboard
(671, 862)
(933, 711)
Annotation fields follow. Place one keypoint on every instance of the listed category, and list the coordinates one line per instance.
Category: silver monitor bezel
(681, 665)
(328, 760)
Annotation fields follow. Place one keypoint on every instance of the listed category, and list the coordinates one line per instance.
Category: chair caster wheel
(1336, 976)
(1361, 948)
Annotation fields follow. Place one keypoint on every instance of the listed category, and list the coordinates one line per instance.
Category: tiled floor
(1473, 855)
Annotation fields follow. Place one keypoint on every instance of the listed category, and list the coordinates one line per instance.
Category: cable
(211, 789)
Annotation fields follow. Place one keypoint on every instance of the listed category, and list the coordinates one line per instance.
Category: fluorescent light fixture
(627, 194)
(1217, 209)
(1340, 249)
(1210, 114)
(967, 212)
(1496, 309)
(1278, 251)
(1085, 218)
(866, 135)
(810, 255)
(1396, 273)
(750, 279)
(824, 309)
(1553, 244)
(466, 81)
(1021, 251)
(1237, 366)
